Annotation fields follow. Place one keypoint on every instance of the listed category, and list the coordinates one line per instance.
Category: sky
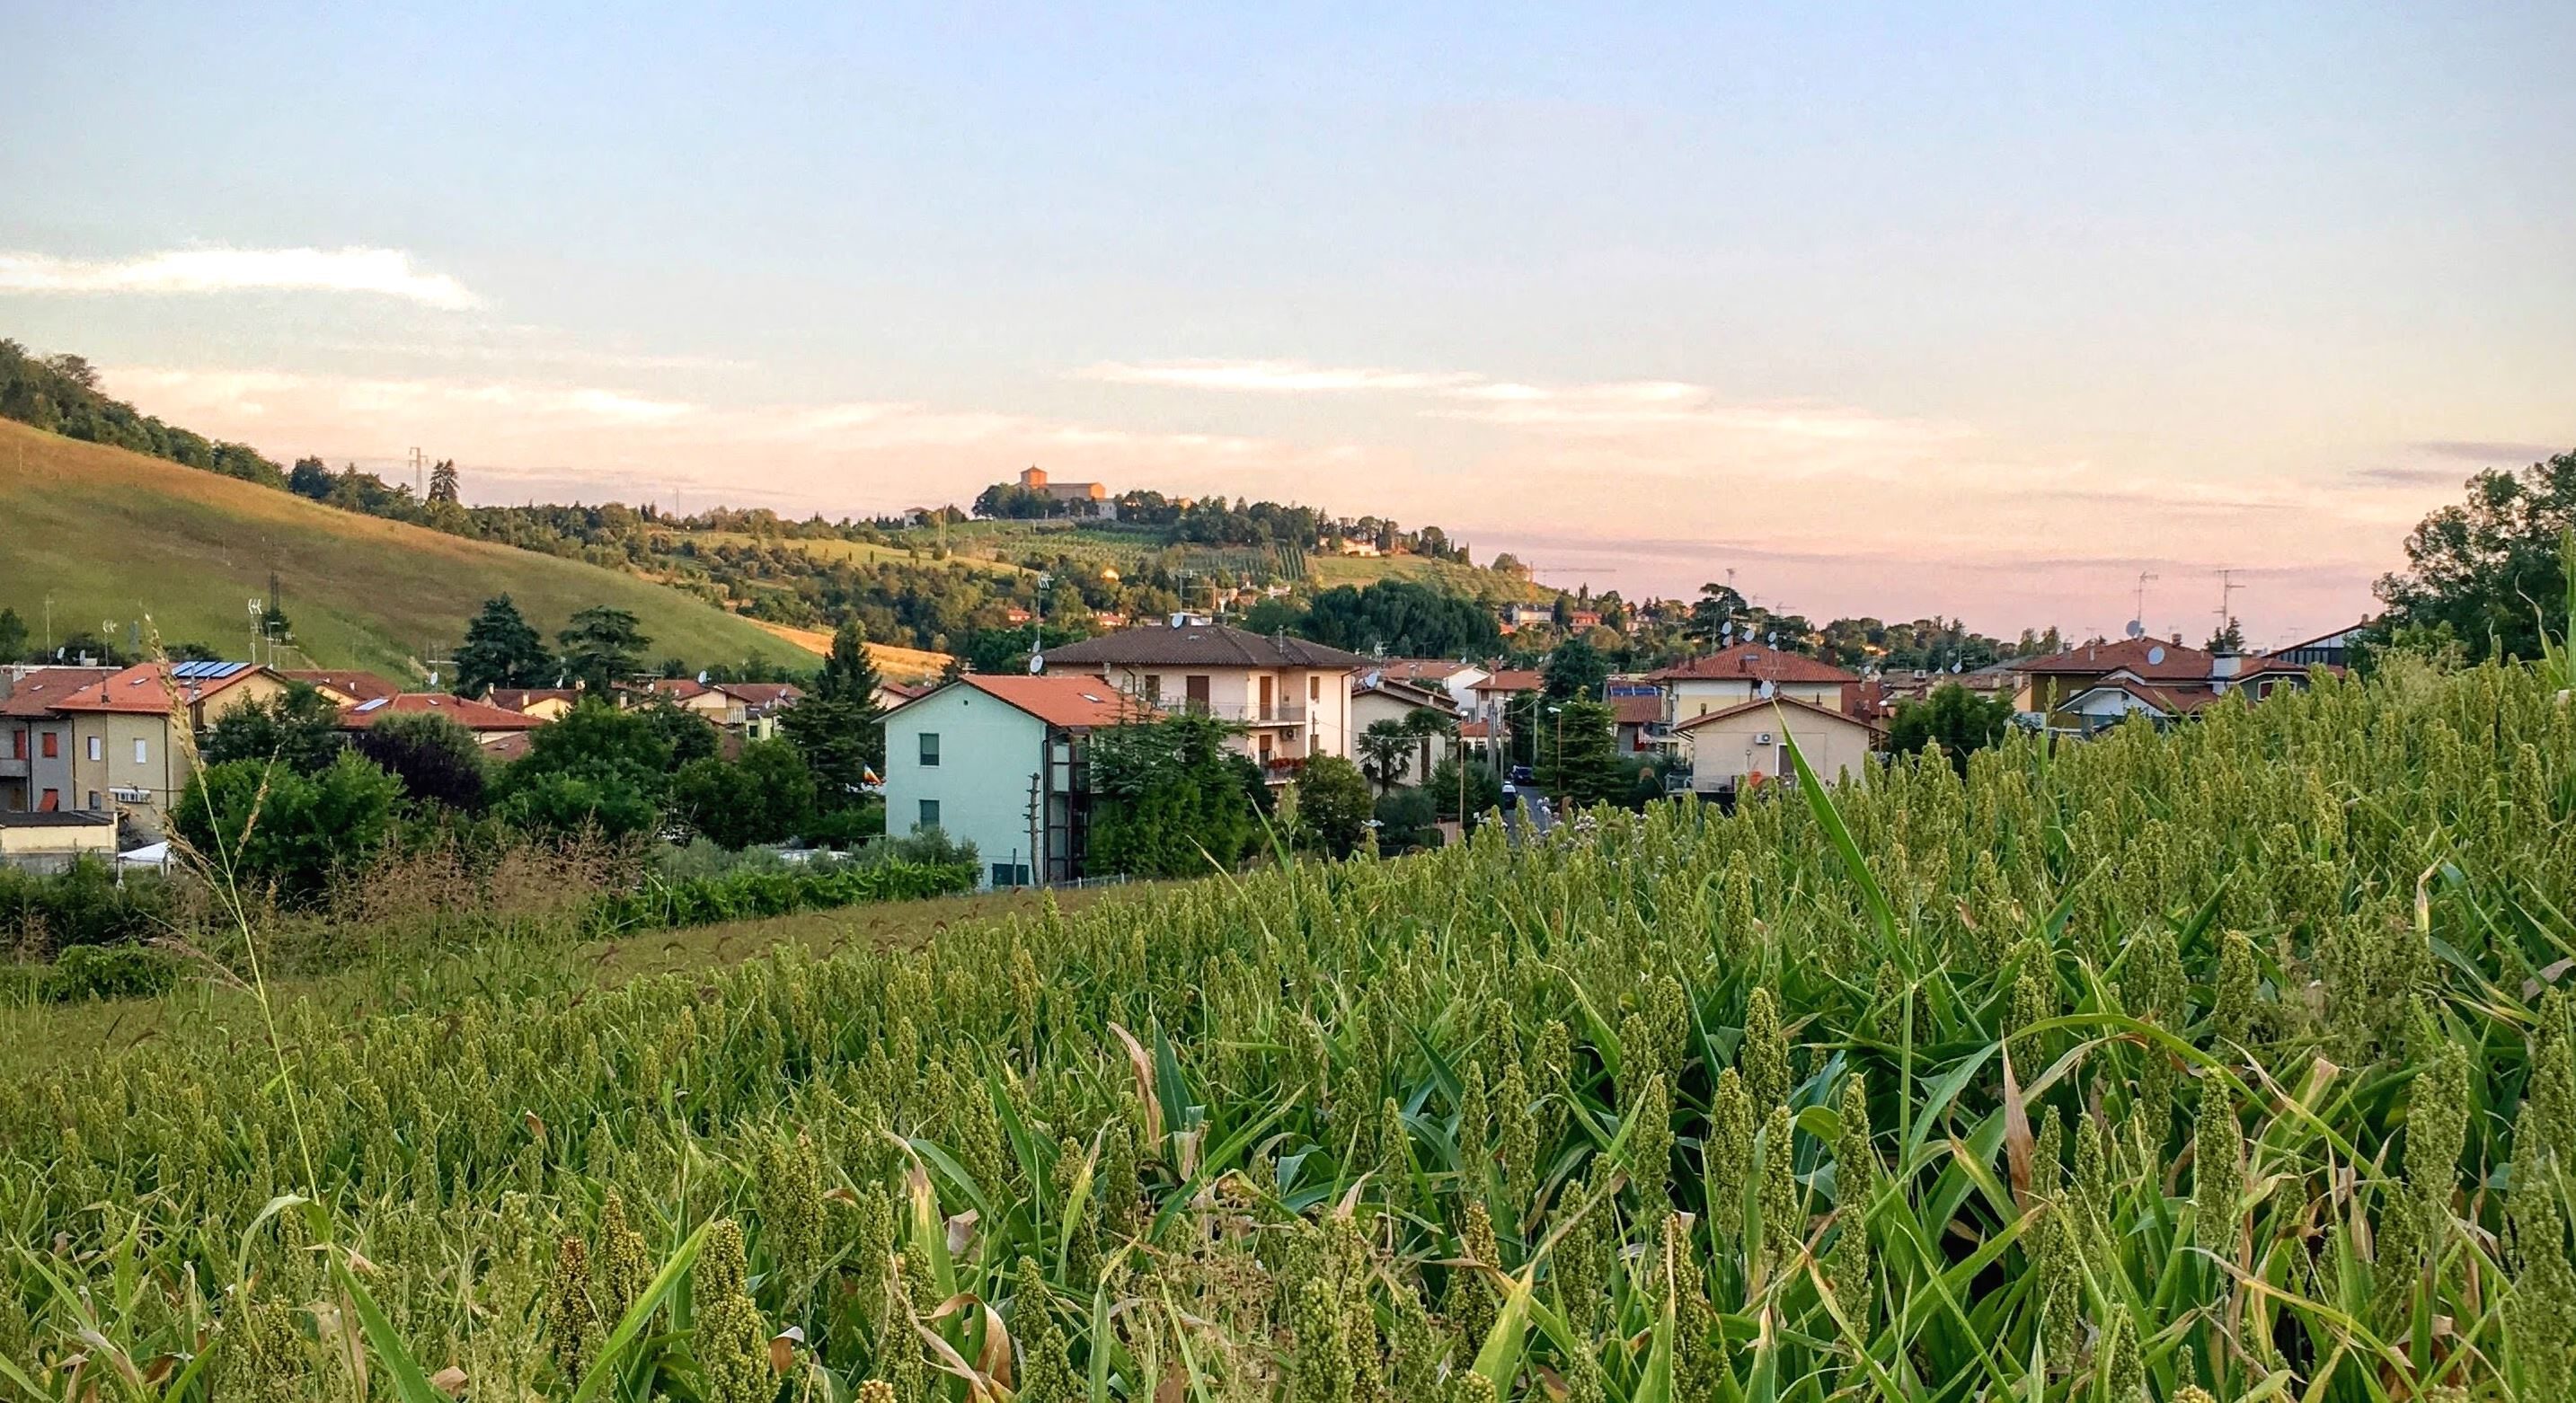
(1978, 311)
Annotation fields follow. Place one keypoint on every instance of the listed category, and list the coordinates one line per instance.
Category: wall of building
(1723, 753)
(115, 736)
(53, 848)
(1316, 700)
(1369, 708)
(1698, 696)
(989, 752)
(23, 782)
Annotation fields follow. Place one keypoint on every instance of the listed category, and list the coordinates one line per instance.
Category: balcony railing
(1250, 714)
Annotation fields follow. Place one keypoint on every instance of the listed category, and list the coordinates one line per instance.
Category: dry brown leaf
(450, 1381)
(1144, 1069)
(2017, 1140)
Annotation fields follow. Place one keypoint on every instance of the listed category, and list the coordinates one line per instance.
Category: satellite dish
(1773, 638)
(2155, 655)
(1036, 664)
(702, 677)
(1766, 689)
(2136, 629)
(1955, 667)
(433, 679)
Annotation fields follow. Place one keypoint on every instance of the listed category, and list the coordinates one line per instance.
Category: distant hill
(113, 535)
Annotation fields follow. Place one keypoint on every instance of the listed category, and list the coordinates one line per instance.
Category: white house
(1291, 698)
(997, 761)
(1377, 697)
(1457, 679)
(1736, 676)
(1741, 747)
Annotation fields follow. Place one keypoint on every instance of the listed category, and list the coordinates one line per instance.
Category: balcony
(1250, 714)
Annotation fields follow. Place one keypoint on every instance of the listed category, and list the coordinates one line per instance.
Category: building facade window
(18, 744)
(97, 748)
(53, 745)
(142, 751)
(94, 805)
(52, 800)
(930, 749)
(929, 814)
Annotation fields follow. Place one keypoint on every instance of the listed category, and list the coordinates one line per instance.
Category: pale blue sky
(1972, 309)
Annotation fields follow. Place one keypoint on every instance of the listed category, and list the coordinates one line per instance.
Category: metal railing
(1249, 714)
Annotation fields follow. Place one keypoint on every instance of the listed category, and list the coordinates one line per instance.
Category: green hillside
(1126, 546)
(112, 536)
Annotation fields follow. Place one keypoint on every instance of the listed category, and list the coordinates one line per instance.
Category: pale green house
(998, 762)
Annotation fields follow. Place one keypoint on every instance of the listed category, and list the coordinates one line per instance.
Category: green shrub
(110, 972)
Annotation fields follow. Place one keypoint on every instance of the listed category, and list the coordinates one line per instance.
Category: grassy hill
(114, 536)
(1124, 546)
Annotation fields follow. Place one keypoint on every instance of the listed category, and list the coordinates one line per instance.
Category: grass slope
(114, 536)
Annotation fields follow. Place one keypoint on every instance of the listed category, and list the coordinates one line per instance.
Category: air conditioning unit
(1764, 739)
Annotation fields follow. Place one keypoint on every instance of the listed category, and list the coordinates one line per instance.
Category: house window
(94, 805)
(1314, 689)
(53, 745)
(97, 748)
(18, 744)
(52, 800)
(930, 749)
(1153, 689)
(929, 814)
(142, 751)
(1195, 688)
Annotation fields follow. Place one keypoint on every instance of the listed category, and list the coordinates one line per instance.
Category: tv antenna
(2227, 588)
(2138, 621)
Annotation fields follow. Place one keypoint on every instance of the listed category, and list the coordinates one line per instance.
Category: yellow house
(125, 729)
(50, 842)
(1740, 748)
(543, 703)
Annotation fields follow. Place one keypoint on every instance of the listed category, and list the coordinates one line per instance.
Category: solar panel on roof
(371, 705)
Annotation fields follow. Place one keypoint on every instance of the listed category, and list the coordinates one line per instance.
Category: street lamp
(1559, 713)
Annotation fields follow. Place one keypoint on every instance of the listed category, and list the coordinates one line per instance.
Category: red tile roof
(2154, 659)
(464, 711)
(1074, 700)
(521, 698)
(1793, 703)
(1636, 711)
(1512, 679)
(676, 688)
(364, 686)
(146, 688)
(763, 694)
(1422, 670)
(1754, 660)
(37, 692)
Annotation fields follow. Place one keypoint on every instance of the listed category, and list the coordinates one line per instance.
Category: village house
(998, 761)
(1290, 698)
(1747, 672)
(543, 703)
(126, 758)
(53, 840)
(2086, 689)
(1377, 697)
(1734, 750)
(1456, 678)
(490, 725)
(343, 688)
(36, 740)
(752, 708)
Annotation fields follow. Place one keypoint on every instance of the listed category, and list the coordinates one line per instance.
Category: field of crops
(2153, 1066)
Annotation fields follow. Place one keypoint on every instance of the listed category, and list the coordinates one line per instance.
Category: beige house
(1743, 747)
(1377, 697)
(543, 703)
(125, 729)
(36, 745)
(1738, 675)
(1290, 698)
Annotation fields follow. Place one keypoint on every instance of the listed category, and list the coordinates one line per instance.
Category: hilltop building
(1078, 498)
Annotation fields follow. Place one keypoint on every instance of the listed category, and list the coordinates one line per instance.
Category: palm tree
(1386, 752)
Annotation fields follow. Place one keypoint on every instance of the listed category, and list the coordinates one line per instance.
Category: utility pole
(419, 474)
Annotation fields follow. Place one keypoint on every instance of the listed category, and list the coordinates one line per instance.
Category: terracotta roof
(2171, 700)
(464, 711)
(504, 745)
(1636, 711)
(1754, 660)
(1073, 700)
(762, 693)
(676, 688)
(521, 698)
(1199, 645)
(1402, 691)
(146, 688)
(1425, 669)
(1475, 730)
(360, 686)
(1792, 703)
(2171, 662)
(37, 692)
(1511, 679)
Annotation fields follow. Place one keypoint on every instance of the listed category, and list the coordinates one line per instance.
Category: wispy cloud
(382, 272)
(1272, 377)
(2489, 452)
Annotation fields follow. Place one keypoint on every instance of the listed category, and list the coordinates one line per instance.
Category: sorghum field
(2232, 1063)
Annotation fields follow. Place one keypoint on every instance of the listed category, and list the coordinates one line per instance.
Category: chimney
(2177, 638)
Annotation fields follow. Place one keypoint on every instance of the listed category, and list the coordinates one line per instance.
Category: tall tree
(443, 481)
(2229, 639)
(13, 636)
(602, 647)
(2488, 567)
(1578, 758)
(1575, 671)
(1717, 606)
(436, 759)
(839, 727)
(298, 728)
(501, 650)
(1953, 717)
